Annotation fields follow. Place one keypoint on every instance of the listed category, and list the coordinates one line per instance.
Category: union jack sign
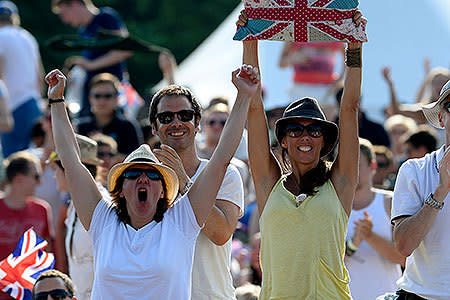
(301, 21)
(19, 271)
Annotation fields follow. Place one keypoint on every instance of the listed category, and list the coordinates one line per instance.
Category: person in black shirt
(106, 119)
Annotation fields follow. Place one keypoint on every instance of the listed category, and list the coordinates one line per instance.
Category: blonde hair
(395, 120)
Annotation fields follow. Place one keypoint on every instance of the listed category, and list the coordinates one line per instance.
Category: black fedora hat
(308, 108)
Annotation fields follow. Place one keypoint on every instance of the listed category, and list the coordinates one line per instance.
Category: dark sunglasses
(105, 96)
(214, 122)
(166, 117)
(57, 294)
(447, 106)
(134, 174)
(296, 130)
(102, 154)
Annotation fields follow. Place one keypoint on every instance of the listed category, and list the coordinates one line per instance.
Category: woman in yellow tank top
(304, 201)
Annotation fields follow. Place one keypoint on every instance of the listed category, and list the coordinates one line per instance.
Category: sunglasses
(166, 117)
(296, 130)
(57, 294)
(102, 154)
(105, 96)
(214, 122)
(134, 174)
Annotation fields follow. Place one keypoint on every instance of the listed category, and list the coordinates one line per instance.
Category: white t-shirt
(427, 272)
(20, 57)
(366, 265)
(154, 262)
(211, 276)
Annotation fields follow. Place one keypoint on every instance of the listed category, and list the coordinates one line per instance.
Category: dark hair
(174, 90)
(386, 153)
(105, 78)
(19, 163)
(56, 274)
(311, 180)
(120, 204)
(423, 138)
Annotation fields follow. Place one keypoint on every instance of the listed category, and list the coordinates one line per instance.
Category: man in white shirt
(420, 217)
(21, 70)
(175, 117)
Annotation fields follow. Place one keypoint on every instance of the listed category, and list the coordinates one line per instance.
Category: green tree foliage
(179, 25)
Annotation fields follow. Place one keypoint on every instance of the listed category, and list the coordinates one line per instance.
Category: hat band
(142, 159)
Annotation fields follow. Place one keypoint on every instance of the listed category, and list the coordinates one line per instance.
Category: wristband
(51, 101)
(352, 247)
(353, 58)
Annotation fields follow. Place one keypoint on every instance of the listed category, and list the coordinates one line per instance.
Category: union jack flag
(19, 271)
(301, 21)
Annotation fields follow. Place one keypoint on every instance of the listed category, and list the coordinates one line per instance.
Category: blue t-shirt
(109, 20)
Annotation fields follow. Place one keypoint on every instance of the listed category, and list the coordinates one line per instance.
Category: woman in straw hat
(78, 244)
(304, 204)
(143, 241)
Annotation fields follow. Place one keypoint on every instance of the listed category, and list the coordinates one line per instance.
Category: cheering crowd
(178, 201)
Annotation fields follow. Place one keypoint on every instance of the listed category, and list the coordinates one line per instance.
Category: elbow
(403, 247)
(220, 239)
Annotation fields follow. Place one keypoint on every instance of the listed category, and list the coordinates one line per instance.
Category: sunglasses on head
(57, 294)
(166, 117)
(296, 130)
(136, 173)
(105, 95)
(214, 122)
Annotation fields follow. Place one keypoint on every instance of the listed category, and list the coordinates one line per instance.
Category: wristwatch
(433, 202)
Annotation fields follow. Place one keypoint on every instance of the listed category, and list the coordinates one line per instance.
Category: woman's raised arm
(345, 171)
(82, 187)
(203, 191)
(264, 166)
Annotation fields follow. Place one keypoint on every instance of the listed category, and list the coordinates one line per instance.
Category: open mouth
(176, 133)
(142, 195)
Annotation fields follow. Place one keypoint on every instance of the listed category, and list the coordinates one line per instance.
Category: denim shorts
(25, 116)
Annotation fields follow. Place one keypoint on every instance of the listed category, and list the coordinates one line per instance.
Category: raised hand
(243, 19)
(56, 83)
(246, 79)
(357, 19)
(386, 71)
(364, 226)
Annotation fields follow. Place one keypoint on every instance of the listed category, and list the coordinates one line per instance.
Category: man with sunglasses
(175, 117)
(105, 117)
(421, 214)
(55, 284)
(19, 208)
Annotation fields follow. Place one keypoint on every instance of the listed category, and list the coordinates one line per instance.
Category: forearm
(6, 119)
(385, 248)
(394, 101)
(352, 84)
(217, 227)
(111, 58)
(63, 133)
(409, 232)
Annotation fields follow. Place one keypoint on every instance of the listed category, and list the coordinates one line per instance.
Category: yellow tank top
(302, 246)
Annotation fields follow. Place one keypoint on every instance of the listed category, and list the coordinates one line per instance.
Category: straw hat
(144, 156)
(308, 108)
(88, 151)
(431, 111)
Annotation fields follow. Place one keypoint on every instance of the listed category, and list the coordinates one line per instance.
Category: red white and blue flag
(301, 21)
(19, 271)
